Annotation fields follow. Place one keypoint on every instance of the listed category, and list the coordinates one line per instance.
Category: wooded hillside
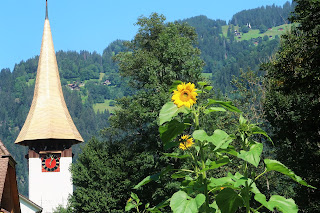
(91, 79)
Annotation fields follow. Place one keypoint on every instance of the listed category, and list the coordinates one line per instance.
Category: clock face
(50, 163)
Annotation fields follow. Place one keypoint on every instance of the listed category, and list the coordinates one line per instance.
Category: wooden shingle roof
(48, 117)
(3, 149)
(4, 162)
(9, 199)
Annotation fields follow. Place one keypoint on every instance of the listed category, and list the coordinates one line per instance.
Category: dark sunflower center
(185, 96)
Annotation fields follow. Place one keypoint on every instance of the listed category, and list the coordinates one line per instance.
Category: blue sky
(92, 25)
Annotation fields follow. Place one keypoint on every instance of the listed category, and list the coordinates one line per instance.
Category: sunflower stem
(203, 173)
(204, 179)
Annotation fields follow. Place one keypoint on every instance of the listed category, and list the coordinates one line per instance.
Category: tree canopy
(292, 100)
(159, 53)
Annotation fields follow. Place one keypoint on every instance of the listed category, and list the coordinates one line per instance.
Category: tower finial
(47, 9)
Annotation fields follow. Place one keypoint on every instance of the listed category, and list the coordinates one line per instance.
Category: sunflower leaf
(180, 202)
(129, 206)
(176, 155)
(216, 164)
(257, 130)
(215, 109)
(147, 180)
(253, 155)
(208, 88)
(154, 177)
(226, 104)
(230, 150)
(229, 201)
(220, 139)
(202, 83)
(170, 110)
(170, 130)
(216, 182)
(273, 165)
(276, 201)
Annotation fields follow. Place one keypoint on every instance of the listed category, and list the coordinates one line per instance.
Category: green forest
(254, 86)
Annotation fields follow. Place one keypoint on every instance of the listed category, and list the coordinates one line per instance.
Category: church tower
(49, 133)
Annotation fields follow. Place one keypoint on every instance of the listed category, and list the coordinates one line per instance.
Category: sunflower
(185, 95)
(186, 142)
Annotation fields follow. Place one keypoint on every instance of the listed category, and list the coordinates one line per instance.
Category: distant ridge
(269, 16)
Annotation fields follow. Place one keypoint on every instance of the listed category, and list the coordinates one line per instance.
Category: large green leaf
(230, 150)
(214, 207)
(176, 155)
(129, 206)
(202, 83)
(170, 131)
(208, 88)
(218, 182)
(147, 180)
(214, 109)
(170, 110)
(226, 104)
(257, 130)
(253, 155)
(219, 138)
(273, 165)
(153, 177)
(181, 203)
(282, 204)
(157, 208)
(242, 120)
(239, 179)
(228, 201)
(179, 174)
(216, 164)
(135, 196)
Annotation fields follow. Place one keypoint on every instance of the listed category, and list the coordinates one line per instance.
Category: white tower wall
(50, 189)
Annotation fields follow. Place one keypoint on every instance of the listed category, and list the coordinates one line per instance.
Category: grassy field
(207, 75)
(272, 32)
(255, 33)
(101, 76)
(225, 29)
(103, 106)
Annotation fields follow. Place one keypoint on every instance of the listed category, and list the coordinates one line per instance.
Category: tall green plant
(200, 191)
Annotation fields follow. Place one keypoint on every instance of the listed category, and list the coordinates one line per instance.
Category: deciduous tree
(159, 53)
(292, 100)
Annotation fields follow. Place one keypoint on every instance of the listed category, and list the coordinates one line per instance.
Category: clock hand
(51, 160)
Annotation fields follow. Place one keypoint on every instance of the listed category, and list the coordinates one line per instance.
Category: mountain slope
(89, 79)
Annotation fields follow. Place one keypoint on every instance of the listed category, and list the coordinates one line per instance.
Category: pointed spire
(48, 117)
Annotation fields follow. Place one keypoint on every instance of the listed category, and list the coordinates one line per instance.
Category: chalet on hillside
(75, 85)
(106, 82)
